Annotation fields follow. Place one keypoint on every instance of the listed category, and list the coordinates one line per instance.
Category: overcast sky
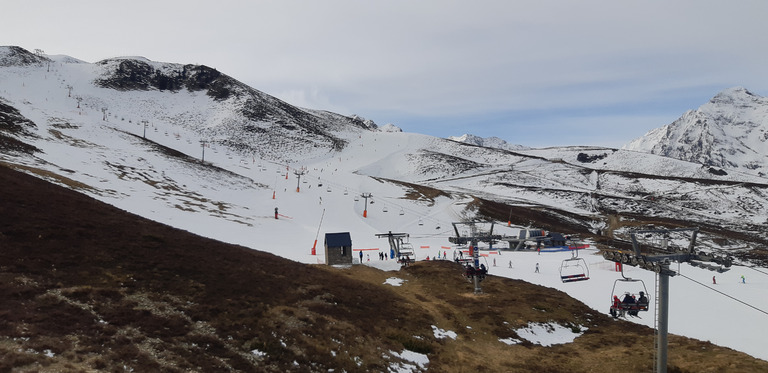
(537, 73)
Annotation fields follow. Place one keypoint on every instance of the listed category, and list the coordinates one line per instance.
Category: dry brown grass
(87, 287)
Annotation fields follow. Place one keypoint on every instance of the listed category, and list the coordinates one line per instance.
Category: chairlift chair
(574, 269)
(385, 209)
(421, 222)
(624, 287)
(402, 212)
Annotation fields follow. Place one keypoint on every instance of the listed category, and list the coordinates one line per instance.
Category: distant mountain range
(488, 142)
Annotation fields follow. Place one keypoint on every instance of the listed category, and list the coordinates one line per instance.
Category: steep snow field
(234, 199)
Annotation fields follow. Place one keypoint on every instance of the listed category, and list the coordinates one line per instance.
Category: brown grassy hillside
(88, 287)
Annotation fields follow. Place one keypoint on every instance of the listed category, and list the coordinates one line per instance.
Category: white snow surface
(233, 200)
(394, 281)
(442, 333)
(417, 362)
(548, 334)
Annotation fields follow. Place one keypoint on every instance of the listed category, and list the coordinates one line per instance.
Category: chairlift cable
(757, 270)
(718, 291)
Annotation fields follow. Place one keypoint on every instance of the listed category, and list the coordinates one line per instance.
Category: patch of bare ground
(88, 287)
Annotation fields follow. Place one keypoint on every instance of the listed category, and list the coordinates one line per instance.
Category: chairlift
(328, 190)
(574, 269)
(421, 222)
(385, 209)
(371, 200)
(346, 192)
(357, 198)
(402, 212)
(623, 300)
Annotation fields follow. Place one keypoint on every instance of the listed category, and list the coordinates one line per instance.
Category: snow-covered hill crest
(17, 56)
(488, 142)
(197, 98)
(729, 131)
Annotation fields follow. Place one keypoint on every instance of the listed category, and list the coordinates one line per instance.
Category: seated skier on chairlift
(642, 302)
(630, 304)
(616, 310)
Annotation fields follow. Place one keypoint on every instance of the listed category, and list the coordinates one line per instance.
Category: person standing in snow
(361, 256)
(537, 268)
(743, 280)
(275, 212)
(713, 280)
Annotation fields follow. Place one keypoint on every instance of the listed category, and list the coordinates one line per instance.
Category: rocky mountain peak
(729, 131)
(488, 142)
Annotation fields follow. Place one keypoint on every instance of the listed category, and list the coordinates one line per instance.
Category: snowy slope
(253, 163)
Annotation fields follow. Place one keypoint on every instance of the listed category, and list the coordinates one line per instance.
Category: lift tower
(655, 255)
(473, 239)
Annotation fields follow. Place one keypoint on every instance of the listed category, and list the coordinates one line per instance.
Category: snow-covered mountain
(123, 127)
(193, 148)
(488, 142)
(730, 132)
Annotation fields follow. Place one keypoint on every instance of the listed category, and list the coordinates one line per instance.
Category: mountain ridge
(730, 131)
